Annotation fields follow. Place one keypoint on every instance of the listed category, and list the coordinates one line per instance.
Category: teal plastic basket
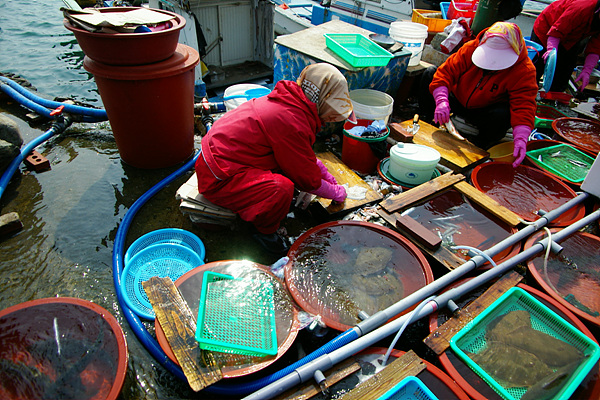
(409, 388)
(162, 260)
(357, 50)
(166, 235)
(236, 316)
(564, 161)
(471, 339)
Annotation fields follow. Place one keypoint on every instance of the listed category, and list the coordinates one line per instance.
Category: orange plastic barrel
(150, 107)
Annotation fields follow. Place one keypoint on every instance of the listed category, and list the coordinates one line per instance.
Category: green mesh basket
(564, 161)
(472, 339)
(236, 316)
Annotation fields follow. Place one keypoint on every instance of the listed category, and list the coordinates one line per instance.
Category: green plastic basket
(472, 339)
(357, 50)
(545, 115)
(236, 316)
(409, 388)
(564, 161)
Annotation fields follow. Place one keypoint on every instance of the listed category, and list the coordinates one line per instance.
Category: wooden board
(439, 340)
(489, 204)
(456, 154)
(408, 365)
(441, 253)
(332, 376)
(344, 175)
(179, 326)
(421, 192)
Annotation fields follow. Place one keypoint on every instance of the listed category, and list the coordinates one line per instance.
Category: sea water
(71, 213)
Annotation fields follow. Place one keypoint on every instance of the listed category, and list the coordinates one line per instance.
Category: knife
(415, 124)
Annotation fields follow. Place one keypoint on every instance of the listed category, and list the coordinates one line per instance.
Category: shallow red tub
(286, 316)
(61, 347)
(571, 277)
(580, 131)
(526, 190)
(129, 48)
(477, 388)
(339, 268)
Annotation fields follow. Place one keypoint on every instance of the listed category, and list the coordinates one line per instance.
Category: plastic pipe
(24, 101)
(328, 360)
(94, 113)
(57, 127)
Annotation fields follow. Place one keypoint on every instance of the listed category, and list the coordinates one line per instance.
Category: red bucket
(129, 48)
(150, 108)
(356, 151)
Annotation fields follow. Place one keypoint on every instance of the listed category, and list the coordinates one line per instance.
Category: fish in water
(510, 366)
(548, 387)
(514, 329)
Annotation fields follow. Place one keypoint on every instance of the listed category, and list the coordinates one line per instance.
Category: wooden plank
(439, 340)
(332, 375)
(344, 175)
(444, 256)
(421, 192)
(179, 326)
(408, 365)
(456, 154)
(488, 204)
(423, 235)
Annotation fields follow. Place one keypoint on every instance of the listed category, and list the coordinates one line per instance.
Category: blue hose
(150, 342)
(33, 101)
(12, 167)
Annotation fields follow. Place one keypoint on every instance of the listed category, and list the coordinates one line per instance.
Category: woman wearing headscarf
(564, 26)
(490, 82)
(255, 155)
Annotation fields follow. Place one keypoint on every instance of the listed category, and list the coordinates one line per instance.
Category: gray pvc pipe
(326, 361)
(383, 316)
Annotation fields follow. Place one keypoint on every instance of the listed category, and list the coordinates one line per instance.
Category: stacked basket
(169, 252)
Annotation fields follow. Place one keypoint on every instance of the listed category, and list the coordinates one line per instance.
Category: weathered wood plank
(421, 192)
(439, 340)
(343, 175)
(488, 203)
(332, 375)
(408, 365)
(179, 326)
(441, 254)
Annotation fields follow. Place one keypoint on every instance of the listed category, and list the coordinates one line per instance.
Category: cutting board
(343, 175)
(456, 154)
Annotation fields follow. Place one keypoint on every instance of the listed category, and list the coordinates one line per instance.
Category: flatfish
(510, 366)
(372, 260)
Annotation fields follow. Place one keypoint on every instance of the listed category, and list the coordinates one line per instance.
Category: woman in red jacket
(490, 82)
(566, 25)
(253, 156)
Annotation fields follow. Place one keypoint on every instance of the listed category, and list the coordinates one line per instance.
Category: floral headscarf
(324, 85)
(510, 32)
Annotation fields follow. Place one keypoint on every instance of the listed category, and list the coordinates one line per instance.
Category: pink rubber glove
(442, 106)
(331, 191)
(520, 136)
(591, 60)
(551, 44)
(325, 174)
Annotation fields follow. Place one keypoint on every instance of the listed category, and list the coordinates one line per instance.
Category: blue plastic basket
(167, 235)
(409, 388)
(533, 49)
(162, 260)
(444, 7)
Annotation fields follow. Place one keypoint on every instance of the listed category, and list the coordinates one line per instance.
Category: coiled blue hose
(41, 105)
(150, 342)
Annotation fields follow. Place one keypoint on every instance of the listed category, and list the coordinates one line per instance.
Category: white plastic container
(412, 35)
(371, 104)
(237, 90)
(413, 163)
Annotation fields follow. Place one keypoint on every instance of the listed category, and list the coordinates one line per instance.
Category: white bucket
(413, 163)
(237, 90)
(371, 104)
(412, 35)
